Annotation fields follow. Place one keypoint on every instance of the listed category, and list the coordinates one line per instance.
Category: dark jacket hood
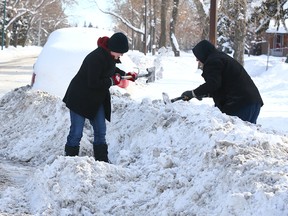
(203, 49)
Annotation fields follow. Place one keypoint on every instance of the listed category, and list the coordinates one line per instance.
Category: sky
(184, 158)
(87, 11)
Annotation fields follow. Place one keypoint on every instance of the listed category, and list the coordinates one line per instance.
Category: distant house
(277, 38)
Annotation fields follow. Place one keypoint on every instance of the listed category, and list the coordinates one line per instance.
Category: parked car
(62, 56)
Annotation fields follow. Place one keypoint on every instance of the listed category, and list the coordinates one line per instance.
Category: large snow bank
(179, 159)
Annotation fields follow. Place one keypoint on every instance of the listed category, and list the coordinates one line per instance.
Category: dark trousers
(249, 113)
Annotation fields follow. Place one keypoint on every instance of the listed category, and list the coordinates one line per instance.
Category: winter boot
(101, 152)
(71, 150)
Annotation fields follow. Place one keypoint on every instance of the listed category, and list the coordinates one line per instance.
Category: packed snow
(185, 158)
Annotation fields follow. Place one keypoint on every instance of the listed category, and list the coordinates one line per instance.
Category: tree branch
(124, 21)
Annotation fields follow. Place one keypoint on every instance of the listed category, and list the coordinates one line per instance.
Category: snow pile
(178, 159)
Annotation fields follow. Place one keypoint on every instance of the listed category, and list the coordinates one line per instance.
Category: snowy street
(16, 69)
(15, 72)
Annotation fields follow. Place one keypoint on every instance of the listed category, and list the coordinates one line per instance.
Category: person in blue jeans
(227, 82)
(88, 95)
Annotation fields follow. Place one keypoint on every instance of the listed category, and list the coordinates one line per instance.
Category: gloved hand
(115, 79)
(187, 95)
(134, 76)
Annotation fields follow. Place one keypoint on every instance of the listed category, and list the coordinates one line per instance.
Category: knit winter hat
(118, 43)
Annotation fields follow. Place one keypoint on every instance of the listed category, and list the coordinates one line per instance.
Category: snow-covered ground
(186, 158)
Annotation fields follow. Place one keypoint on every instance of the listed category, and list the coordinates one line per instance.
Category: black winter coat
(226, 80)
(90, 86)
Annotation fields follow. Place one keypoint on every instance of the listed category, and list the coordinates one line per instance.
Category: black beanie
(118, 43)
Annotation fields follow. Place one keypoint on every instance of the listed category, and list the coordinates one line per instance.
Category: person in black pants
(227, 82)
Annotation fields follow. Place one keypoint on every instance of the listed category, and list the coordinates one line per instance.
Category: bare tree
(239, 10)
(45, 21)
(162, 40)
(173, 22)
(153, 22)
(233, 27)
(23, 15)
(129, 15)
(203, 18)
(192, 21)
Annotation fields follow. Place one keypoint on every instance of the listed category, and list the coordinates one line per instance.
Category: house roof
(273, 27)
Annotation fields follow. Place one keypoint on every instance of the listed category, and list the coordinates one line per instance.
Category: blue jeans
(77, 125)
(249, 113)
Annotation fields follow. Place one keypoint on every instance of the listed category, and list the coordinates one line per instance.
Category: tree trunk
(8, 36)
(203, 18)
(15, 34)
(162, 40)
(153, 27)
(145, 28)
(174, 43)
(240, 30)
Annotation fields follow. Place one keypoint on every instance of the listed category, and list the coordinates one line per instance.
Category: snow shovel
(167, 100)
(139, 75)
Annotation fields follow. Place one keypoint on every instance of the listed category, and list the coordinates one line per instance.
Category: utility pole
(133, 39)
(3, 24)
(39, 32)
(213, 22)
(145, 27)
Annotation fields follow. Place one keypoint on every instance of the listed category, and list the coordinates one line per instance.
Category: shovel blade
(166, 98)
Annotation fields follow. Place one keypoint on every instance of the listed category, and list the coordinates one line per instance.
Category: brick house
(277, 39)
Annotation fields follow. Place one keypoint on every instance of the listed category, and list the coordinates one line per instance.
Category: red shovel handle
(126, 77)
